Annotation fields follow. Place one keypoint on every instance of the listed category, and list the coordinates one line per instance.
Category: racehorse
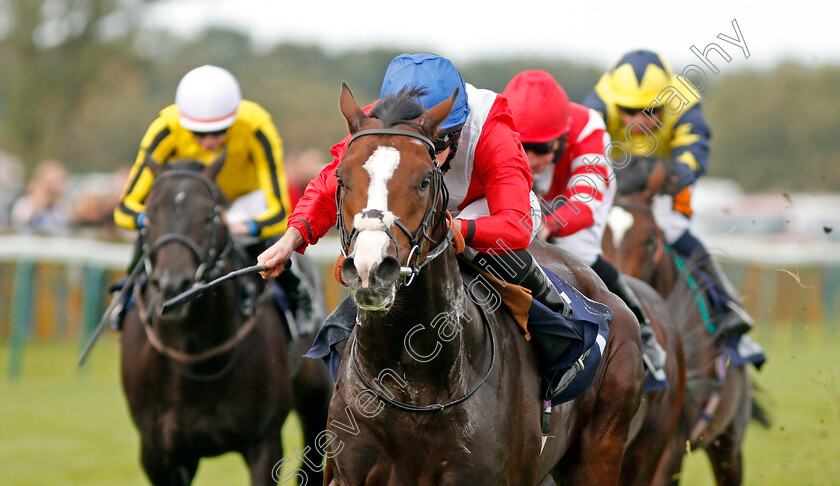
(433, 390)
(659, 412)
(718, 404)
(214, 375)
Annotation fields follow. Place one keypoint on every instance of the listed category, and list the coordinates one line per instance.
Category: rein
(210, 265)
(435, 407)
(419, 240)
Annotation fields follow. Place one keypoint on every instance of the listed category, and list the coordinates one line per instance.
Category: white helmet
(207, 99)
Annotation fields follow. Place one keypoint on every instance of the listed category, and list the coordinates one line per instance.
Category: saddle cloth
(587, 329)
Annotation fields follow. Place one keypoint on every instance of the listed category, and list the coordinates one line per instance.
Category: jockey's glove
(678, 177)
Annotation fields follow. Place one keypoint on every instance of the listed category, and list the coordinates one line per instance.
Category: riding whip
(194, 292)
(118, 299)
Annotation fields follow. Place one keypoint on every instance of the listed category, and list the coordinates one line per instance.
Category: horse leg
(670, 464)
(162, 472)
(265, 461)
(312, 392)
(725, 456)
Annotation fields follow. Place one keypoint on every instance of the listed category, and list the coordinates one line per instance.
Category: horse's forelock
(400, 108)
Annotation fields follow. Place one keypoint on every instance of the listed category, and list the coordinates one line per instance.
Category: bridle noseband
(420, 239)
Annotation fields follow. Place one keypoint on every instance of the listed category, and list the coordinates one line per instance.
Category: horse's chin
(172, 316)
(379, 300)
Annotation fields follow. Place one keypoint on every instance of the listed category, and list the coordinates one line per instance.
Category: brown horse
(660, 410)
(718, 403)
(214, 375)
(432, 390)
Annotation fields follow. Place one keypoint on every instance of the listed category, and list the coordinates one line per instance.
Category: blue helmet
(437, 74)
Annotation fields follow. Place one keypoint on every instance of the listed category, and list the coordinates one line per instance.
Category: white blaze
(620, 220)
(372, 240)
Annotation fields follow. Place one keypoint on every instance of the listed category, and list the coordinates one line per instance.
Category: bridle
(420, 240)
(211, 263)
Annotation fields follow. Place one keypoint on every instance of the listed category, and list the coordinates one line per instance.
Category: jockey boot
(548, 347)
(544, 291)
(732, 319)
(300, 302)
(115, 320)
(653, 354)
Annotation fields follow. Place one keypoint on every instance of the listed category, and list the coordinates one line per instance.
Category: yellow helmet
(638, 77)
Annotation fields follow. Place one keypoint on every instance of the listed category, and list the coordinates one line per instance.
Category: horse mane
(400, 108)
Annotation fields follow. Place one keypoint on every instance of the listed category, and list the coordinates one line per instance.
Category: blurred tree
(55, 54)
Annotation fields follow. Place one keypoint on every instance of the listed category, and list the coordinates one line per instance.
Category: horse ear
(656, 180)
(212, 170)
(429, 121)
(156, 168)
(350, 109)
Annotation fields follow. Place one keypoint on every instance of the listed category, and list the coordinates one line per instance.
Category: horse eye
(340, 181)
(424, 184)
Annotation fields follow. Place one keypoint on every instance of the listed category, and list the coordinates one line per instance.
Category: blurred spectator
(41, 208)
(94, 198)
(11, 186)
(301, 168)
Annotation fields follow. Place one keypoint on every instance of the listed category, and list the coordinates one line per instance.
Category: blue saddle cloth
(587, 330)
(590, 321)
(742, 351)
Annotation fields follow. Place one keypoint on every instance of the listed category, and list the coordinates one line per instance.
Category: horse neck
(436, 295)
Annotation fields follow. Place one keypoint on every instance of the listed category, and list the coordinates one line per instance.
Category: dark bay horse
(431, 390)
(718, 404)
(660, 410)
(214, 375)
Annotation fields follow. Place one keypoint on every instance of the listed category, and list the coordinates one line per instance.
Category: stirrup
(657, 374)
(554, 386)
(736, 321)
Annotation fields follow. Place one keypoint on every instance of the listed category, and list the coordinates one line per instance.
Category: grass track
(59, 426)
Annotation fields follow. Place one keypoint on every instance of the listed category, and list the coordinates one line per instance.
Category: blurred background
(80, 81)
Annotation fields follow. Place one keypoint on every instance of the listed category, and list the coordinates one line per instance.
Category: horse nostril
(348, 270)
(388, 271)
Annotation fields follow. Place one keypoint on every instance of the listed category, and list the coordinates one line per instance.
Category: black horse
(213, 376)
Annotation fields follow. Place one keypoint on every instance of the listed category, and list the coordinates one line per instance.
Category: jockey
(209, 115)
(486, 173)
(565, 146)
(644, 108)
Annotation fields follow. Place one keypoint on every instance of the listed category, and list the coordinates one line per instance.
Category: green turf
(59, 426)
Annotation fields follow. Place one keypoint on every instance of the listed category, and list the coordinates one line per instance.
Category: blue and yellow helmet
(637, 78)
(434, 73)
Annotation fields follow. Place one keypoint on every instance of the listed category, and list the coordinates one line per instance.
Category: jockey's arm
(501, 166)
(689, 148)
(315, 213)
(591, 182)
(159, 141)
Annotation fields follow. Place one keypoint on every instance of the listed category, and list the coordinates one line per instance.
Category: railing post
(22, 304)
(93, 289)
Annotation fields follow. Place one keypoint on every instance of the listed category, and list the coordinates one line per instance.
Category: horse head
(640, 241)
(391, 195)
(185, 238)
